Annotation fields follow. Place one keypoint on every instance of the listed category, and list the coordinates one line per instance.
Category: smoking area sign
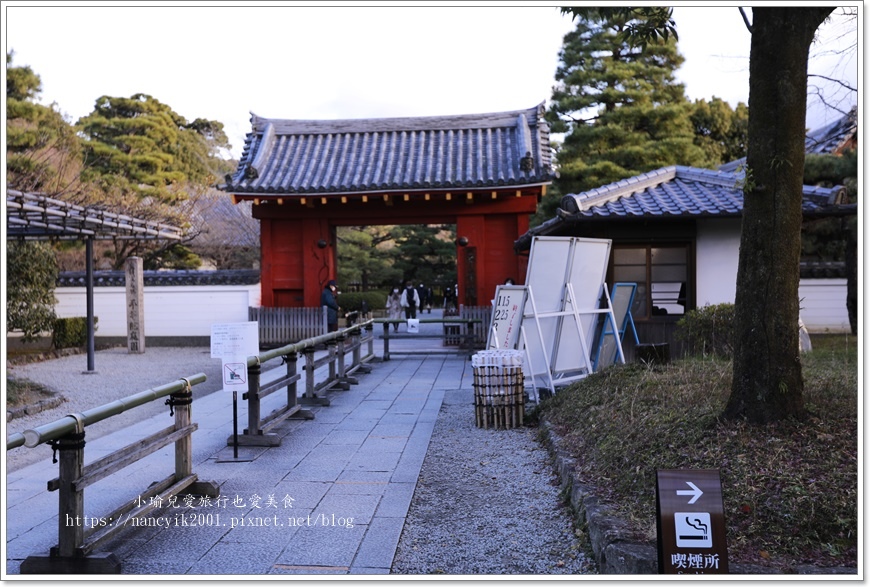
(691, 522)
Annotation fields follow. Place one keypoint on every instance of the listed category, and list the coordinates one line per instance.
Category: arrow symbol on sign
(694, 492)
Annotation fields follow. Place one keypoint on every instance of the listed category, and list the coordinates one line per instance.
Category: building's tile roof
(678, 191)
(162, 278)
(671, 193)
(394, 154)
(833, 138)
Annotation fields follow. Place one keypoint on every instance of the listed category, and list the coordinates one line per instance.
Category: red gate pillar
(485, 256)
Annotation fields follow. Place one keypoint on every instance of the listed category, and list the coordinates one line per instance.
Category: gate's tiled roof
(394, 154)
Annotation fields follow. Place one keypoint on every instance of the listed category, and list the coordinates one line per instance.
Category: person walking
(450, 301)
(394, 307)
(410, 301)
(425, 295)
(329, 298)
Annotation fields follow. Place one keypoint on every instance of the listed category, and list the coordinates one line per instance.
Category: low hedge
(70, 332)
(708, 331)
(353, 301)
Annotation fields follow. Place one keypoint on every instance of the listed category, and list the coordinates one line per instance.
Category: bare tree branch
(745, 19)
(836, 81)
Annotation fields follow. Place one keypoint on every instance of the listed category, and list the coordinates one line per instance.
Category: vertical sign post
(233, 343)
(135, 282)
(691, 522)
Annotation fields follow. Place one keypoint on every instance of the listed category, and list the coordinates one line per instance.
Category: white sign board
(235, 339)
(507, 317)
(565, 281)
(233, 343)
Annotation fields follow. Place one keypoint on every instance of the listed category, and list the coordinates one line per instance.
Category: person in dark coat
(329, 299)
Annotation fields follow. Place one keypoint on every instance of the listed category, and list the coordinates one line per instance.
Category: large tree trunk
(767, 381)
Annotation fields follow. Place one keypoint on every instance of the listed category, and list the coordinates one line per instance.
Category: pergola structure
(32, 216)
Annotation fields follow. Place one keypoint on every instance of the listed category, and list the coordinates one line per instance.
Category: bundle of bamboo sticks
(499, 400)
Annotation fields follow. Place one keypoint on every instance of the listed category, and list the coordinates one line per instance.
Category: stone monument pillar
(135, 305)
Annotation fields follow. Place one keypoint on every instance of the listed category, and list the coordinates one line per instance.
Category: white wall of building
(823, 301)
(178, 310)
(716, 253)
(823, 305)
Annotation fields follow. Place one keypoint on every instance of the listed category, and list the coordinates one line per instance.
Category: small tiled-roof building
(484, 172)
(676, 233)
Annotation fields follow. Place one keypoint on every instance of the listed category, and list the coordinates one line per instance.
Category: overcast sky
(223, 61)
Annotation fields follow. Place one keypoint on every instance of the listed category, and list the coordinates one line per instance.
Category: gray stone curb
(609, 536)
(35, 408)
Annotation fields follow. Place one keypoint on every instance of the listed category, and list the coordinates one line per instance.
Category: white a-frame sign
(564, 290)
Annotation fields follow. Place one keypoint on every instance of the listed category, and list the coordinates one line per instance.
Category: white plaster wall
(169, 310)
(823, 305)
(716, 253)
(823, 301)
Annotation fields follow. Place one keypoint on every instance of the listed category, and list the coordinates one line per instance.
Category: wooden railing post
(68, 556)
(356, 343)
(310, 396)
(371, 337)
(70, 519)
(331, 348)
(386, 341)
(291, 359)
(181, 403)
(253, 397)
(344, 380)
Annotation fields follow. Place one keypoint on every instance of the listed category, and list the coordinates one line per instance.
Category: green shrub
(70, 332)
(352, 301)
(708, 331)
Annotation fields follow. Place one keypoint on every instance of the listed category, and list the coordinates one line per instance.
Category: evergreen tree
(30, 299)
(42, 150)
(619, 102)
(363, 259)
(720, 130)
(142, 144)
(836, 238)
(425, 254)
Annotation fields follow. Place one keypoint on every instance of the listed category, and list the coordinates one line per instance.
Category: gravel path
(83, 391)
(487, 503)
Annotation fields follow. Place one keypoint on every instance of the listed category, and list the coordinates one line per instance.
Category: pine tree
(144, 145)
(620, 104)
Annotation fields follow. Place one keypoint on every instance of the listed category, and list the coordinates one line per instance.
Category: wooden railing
(338, 345)
(77, 539)
(455, 341)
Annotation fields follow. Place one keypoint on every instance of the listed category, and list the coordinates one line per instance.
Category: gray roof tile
(391, 154)
(678, 191)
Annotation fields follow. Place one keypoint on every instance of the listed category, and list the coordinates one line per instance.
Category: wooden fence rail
(338, 345)
(76, 542)
(453, 337)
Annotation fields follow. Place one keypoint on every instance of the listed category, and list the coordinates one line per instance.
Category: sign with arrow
(694, 492)
(690, 522)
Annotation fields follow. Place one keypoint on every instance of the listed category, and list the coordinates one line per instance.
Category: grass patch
(790, 488)
(22, 392)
